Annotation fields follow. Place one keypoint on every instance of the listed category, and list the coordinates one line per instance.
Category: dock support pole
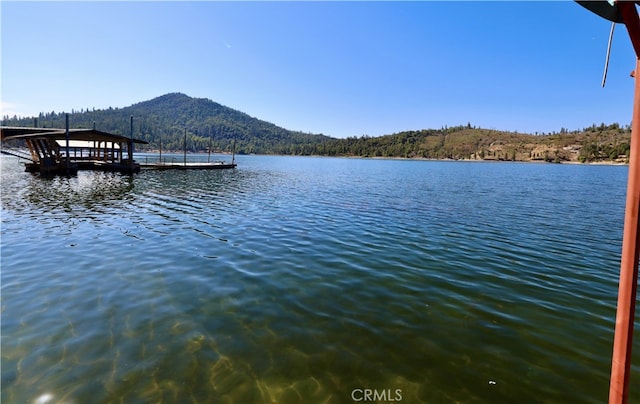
(131, 145)
(209, 159)
(66, 134)
(233, 153)
(185, 147)
(628, 285)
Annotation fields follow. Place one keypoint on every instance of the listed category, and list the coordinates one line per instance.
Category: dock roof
(16, 132)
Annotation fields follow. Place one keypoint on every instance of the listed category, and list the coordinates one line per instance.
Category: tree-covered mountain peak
(170, 98)
(182, 102)
(163, 121)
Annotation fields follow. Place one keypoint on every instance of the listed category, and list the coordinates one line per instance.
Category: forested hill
(166, 118)
(607, 143)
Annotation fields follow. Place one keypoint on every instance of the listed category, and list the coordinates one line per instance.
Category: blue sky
(337, 68)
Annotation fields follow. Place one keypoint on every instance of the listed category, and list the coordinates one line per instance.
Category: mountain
(165, 119)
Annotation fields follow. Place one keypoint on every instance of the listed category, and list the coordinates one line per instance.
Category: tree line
(165, 121)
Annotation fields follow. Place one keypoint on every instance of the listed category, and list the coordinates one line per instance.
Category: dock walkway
(218, 165)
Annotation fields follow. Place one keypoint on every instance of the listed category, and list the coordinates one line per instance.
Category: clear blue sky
(338, 68)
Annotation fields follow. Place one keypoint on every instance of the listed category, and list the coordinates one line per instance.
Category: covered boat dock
(59, 151)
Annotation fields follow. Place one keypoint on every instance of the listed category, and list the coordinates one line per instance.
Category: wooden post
(628, 285)
(66, 125)
(233, 153)
(131, 145)
(185, 147)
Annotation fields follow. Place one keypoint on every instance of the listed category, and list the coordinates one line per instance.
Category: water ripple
(301, 279)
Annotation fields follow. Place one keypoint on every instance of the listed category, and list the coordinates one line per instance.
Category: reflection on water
(89, 189)
(308, 279)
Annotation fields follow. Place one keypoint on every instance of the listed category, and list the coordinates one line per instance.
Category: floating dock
(218, 165)
(65, 151)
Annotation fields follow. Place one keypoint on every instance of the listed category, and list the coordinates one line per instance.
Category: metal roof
(14, 132)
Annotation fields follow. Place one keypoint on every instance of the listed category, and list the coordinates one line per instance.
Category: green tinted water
(312, 280)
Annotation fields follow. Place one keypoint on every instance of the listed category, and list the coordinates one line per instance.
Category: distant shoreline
(571, 162)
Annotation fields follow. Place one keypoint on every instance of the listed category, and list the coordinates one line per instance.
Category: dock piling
(131, 145)
(66, 119)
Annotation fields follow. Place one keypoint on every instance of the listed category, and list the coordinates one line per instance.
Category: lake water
(310, 280)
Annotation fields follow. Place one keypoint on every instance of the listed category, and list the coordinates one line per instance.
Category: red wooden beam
(628, 284)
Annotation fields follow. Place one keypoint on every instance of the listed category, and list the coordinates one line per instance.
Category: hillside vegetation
(163, 122)
(596, 143)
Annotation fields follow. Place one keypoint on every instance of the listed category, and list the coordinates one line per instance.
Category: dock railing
(160, 160)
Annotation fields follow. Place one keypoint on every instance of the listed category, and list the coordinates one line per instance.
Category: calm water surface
(302, 280)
